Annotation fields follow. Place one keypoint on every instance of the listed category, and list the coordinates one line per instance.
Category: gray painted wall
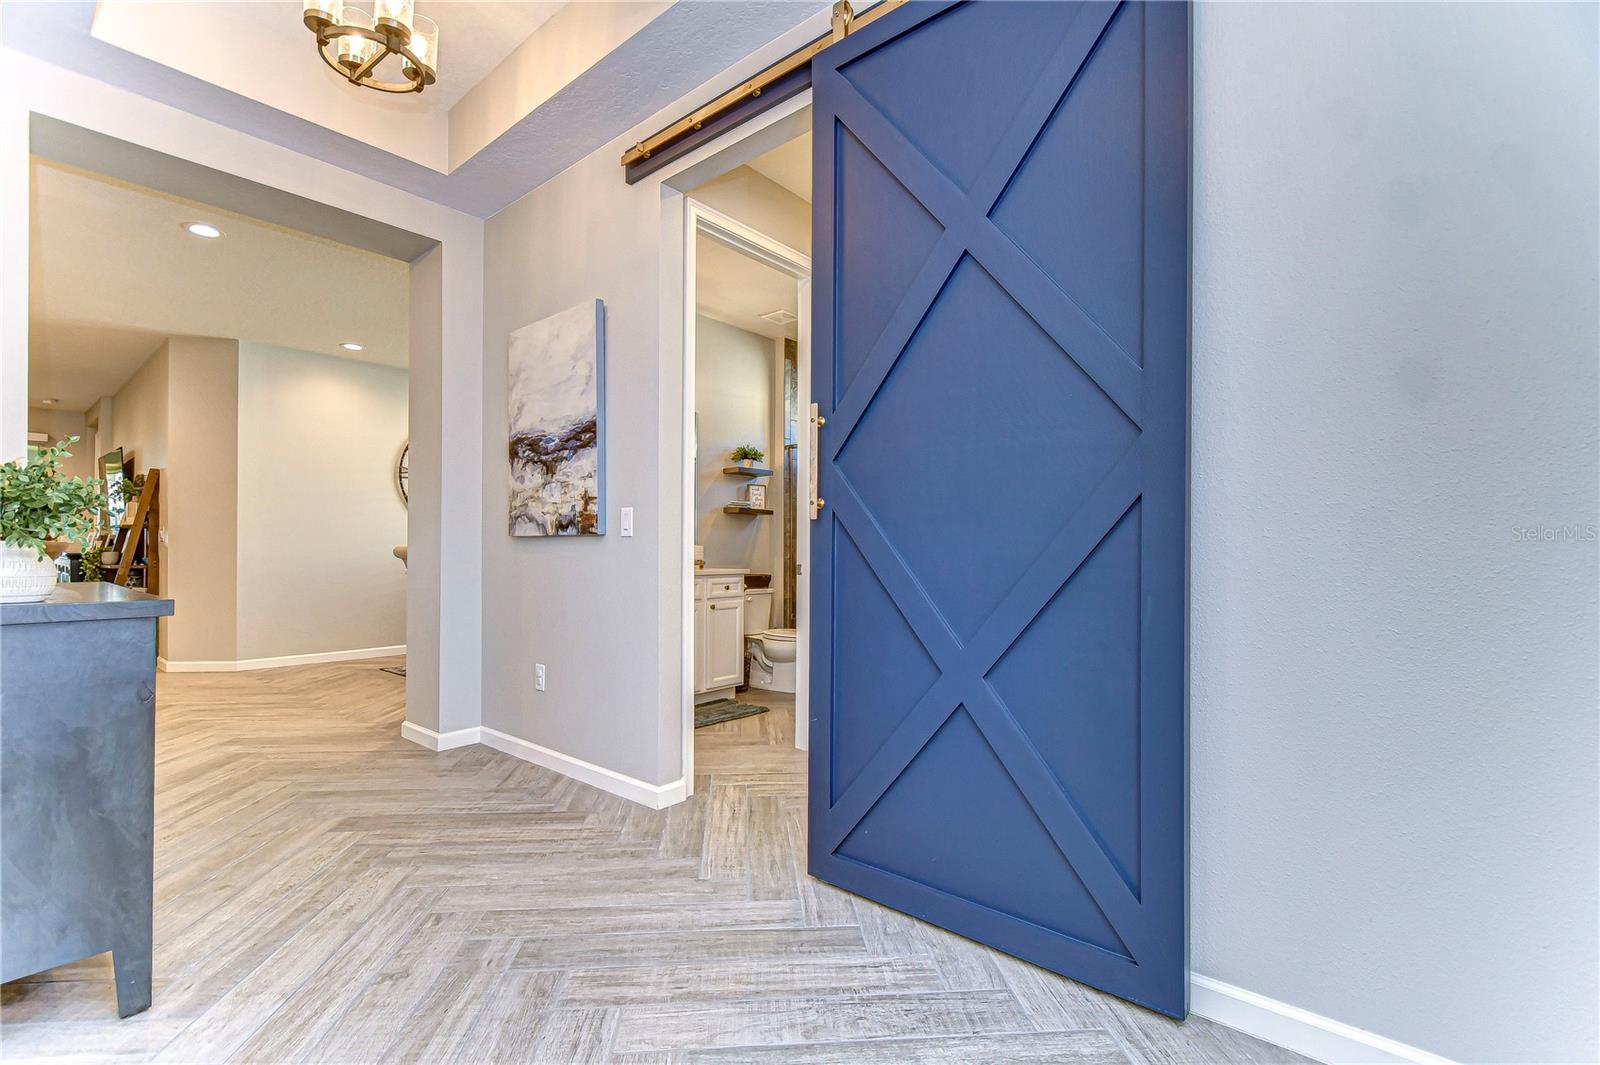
(319, 513)
(1393, 699)
(761, 203)
(424, 517)
(60, 425)
(200, 499)
(733, 403)
(587, 607)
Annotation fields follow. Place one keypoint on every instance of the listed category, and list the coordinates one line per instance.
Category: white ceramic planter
(24, 576)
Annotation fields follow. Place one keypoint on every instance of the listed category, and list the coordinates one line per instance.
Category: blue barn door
(998, 698)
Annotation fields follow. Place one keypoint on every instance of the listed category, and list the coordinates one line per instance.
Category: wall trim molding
(1299, 1030)
(244, 665)
(438, 741)
(655, 796)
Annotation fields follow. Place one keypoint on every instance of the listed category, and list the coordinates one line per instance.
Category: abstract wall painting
(556, 402)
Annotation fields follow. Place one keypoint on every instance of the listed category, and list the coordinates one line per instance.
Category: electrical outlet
(538, 676)
(627, 521)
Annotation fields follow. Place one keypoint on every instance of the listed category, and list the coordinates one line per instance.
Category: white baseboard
(438, 741)
(655, 796)
(244, 665)
(1296, 1029)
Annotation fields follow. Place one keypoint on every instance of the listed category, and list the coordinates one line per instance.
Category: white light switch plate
(538, 676)
(627, 521)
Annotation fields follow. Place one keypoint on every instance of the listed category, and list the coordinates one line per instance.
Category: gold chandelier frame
(392, 38)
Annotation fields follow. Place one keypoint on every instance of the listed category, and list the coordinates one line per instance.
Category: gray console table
(77, 782)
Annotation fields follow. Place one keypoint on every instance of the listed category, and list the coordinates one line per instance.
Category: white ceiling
(651, 53)
(789, 164)
(474, 37)
(113, 273)
(261, 49)
(734, 288)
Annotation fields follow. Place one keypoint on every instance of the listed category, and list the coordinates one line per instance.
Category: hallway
(328, 892)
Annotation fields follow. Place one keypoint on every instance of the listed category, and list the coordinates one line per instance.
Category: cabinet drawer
(719, 587)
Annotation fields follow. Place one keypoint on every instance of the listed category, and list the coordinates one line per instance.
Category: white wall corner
(436, 741)
(1296, 1029)
(461, 433)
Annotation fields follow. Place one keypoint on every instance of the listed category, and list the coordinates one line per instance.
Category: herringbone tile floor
(328, 892)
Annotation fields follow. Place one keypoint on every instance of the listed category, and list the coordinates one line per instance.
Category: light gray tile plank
(223, 1028)
(1051, 1048)
(662, 916)
(771, 862)
(888, 933)
(314, 1008)
(966, 966)
(574, 1037)
(724, 982)
(783, 1021)
(380, 1011)
(726, 832)
(594, 951)
(507, 1028)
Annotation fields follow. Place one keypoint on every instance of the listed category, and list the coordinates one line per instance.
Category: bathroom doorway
(747, 480)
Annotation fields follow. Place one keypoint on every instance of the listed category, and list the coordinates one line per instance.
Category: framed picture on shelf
(757, 495)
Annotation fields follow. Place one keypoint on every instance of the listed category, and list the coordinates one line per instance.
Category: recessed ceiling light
(351, 345)
(49, 402)
(203, 229)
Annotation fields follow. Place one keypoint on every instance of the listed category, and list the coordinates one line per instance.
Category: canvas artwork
(557, 406)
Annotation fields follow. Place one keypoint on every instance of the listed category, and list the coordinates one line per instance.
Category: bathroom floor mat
(719, 710)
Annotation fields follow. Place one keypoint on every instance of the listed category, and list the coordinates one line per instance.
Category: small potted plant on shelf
(747, 455)
(39, 503)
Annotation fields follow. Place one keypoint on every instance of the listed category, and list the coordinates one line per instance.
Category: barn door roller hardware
(845, 21)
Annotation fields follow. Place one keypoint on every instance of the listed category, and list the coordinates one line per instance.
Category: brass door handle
(817, 422)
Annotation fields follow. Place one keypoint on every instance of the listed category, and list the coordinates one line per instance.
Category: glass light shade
(425, 44)
(353, 50)
(393, 14)
(327, 12)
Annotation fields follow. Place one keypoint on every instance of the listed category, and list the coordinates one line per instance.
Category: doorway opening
(180, 353)
(746, 482)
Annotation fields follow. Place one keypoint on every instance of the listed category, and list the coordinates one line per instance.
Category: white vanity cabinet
(718, 633)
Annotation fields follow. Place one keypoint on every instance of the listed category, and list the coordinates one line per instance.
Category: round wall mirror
(402, 473)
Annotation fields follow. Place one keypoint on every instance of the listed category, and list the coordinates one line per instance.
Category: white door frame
(699, 219)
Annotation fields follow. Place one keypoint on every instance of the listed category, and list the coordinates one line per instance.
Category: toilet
(771, 651)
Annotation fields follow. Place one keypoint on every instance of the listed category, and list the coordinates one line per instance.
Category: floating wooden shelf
(747, 471)
(731, 509)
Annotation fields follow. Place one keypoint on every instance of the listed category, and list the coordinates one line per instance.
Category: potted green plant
(39, 503)
(747, 455)
(90, 563)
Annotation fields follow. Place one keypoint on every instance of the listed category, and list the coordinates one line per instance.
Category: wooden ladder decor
(146, 523)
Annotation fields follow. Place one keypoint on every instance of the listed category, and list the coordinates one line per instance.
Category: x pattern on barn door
(1026, 634)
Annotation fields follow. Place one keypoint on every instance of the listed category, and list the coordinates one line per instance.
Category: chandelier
(356, 43)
